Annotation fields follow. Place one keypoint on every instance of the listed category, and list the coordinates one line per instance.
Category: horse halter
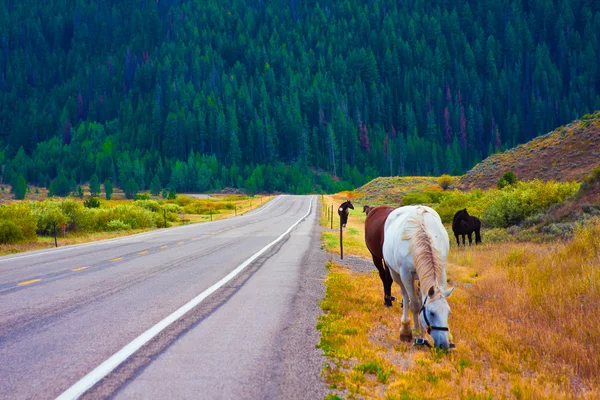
(429, 326)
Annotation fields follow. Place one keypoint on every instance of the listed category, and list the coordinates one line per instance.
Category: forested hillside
(202, 94)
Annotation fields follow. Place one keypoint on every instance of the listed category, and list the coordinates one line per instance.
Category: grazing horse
(465, 224)
(416, 247)
(343, 211)
(367, 209)
(374, 225)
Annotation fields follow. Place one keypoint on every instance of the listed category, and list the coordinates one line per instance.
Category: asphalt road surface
(225, 309)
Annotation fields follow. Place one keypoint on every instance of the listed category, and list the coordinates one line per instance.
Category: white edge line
(120, 356)
(110, 241)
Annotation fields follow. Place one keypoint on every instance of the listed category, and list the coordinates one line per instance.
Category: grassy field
(524, 320)
(184, 210)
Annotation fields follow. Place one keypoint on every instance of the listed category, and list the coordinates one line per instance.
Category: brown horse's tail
(477, 236)
(477, 231)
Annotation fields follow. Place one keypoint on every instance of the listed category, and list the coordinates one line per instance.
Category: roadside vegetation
(523, 312)
(29, 225)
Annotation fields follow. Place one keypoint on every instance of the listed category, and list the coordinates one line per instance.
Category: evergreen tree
(94, 186)
(155, 186)
(131, 189)
(108, 189)
(20, 187)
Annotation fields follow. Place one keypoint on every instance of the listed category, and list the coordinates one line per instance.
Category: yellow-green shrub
(10, 232)
(135, 217)
(513, 204)
(49, 216)
(20, 214)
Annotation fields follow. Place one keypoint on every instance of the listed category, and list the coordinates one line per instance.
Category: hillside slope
(568, 153)
(390, 190)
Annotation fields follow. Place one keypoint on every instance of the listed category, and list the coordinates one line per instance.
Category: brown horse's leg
(386, 279)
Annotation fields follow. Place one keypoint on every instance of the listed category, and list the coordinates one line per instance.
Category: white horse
(415, 246)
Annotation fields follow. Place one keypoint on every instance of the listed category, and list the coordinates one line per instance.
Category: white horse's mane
(426, 257)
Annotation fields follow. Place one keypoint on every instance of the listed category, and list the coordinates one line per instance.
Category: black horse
(465, 224)
(343, 212)
(367, 209)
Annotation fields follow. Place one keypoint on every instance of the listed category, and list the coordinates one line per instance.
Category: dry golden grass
(524, 320)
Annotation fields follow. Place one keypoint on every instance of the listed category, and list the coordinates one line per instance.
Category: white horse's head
(434, 316)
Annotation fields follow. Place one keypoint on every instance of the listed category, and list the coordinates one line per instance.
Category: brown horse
(374, 227)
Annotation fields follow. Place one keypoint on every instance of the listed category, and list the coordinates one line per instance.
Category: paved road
(64, 312)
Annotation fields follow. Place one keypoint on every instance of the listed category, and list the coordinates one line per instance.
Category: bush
(514, 204)
(589, 181)
(508, 179)
(20, 215)
(49, 216)
(445, 181)
(10, 232)
(416, 198)
(135, 217)
(451, 202)
(142, 196)
(92, 202)
(151, 205)
(117, 225)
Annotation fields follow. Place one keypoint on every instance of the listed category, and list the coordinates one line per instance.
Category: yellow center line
(143, 252)
(116, 259)
(213, 233)
(79, 269)
(28, 282)
(163, 247)
(193, 239)
(179, 242)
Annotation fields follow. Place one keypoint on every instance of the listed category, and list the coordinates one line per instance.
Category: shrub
(92, 202)
(49, 216)
(445, 181)
(117, 225)
(135, 217)
(184, 200)
(22, 216)
(142, 196)
(589, 181)
(513, 204)
(508, 179)
(151, 205)
(416, 198)
(451, 202)
(10, 232)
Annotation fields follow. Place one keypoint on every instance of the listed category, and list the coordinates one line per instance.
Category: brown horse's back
(374, 227)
